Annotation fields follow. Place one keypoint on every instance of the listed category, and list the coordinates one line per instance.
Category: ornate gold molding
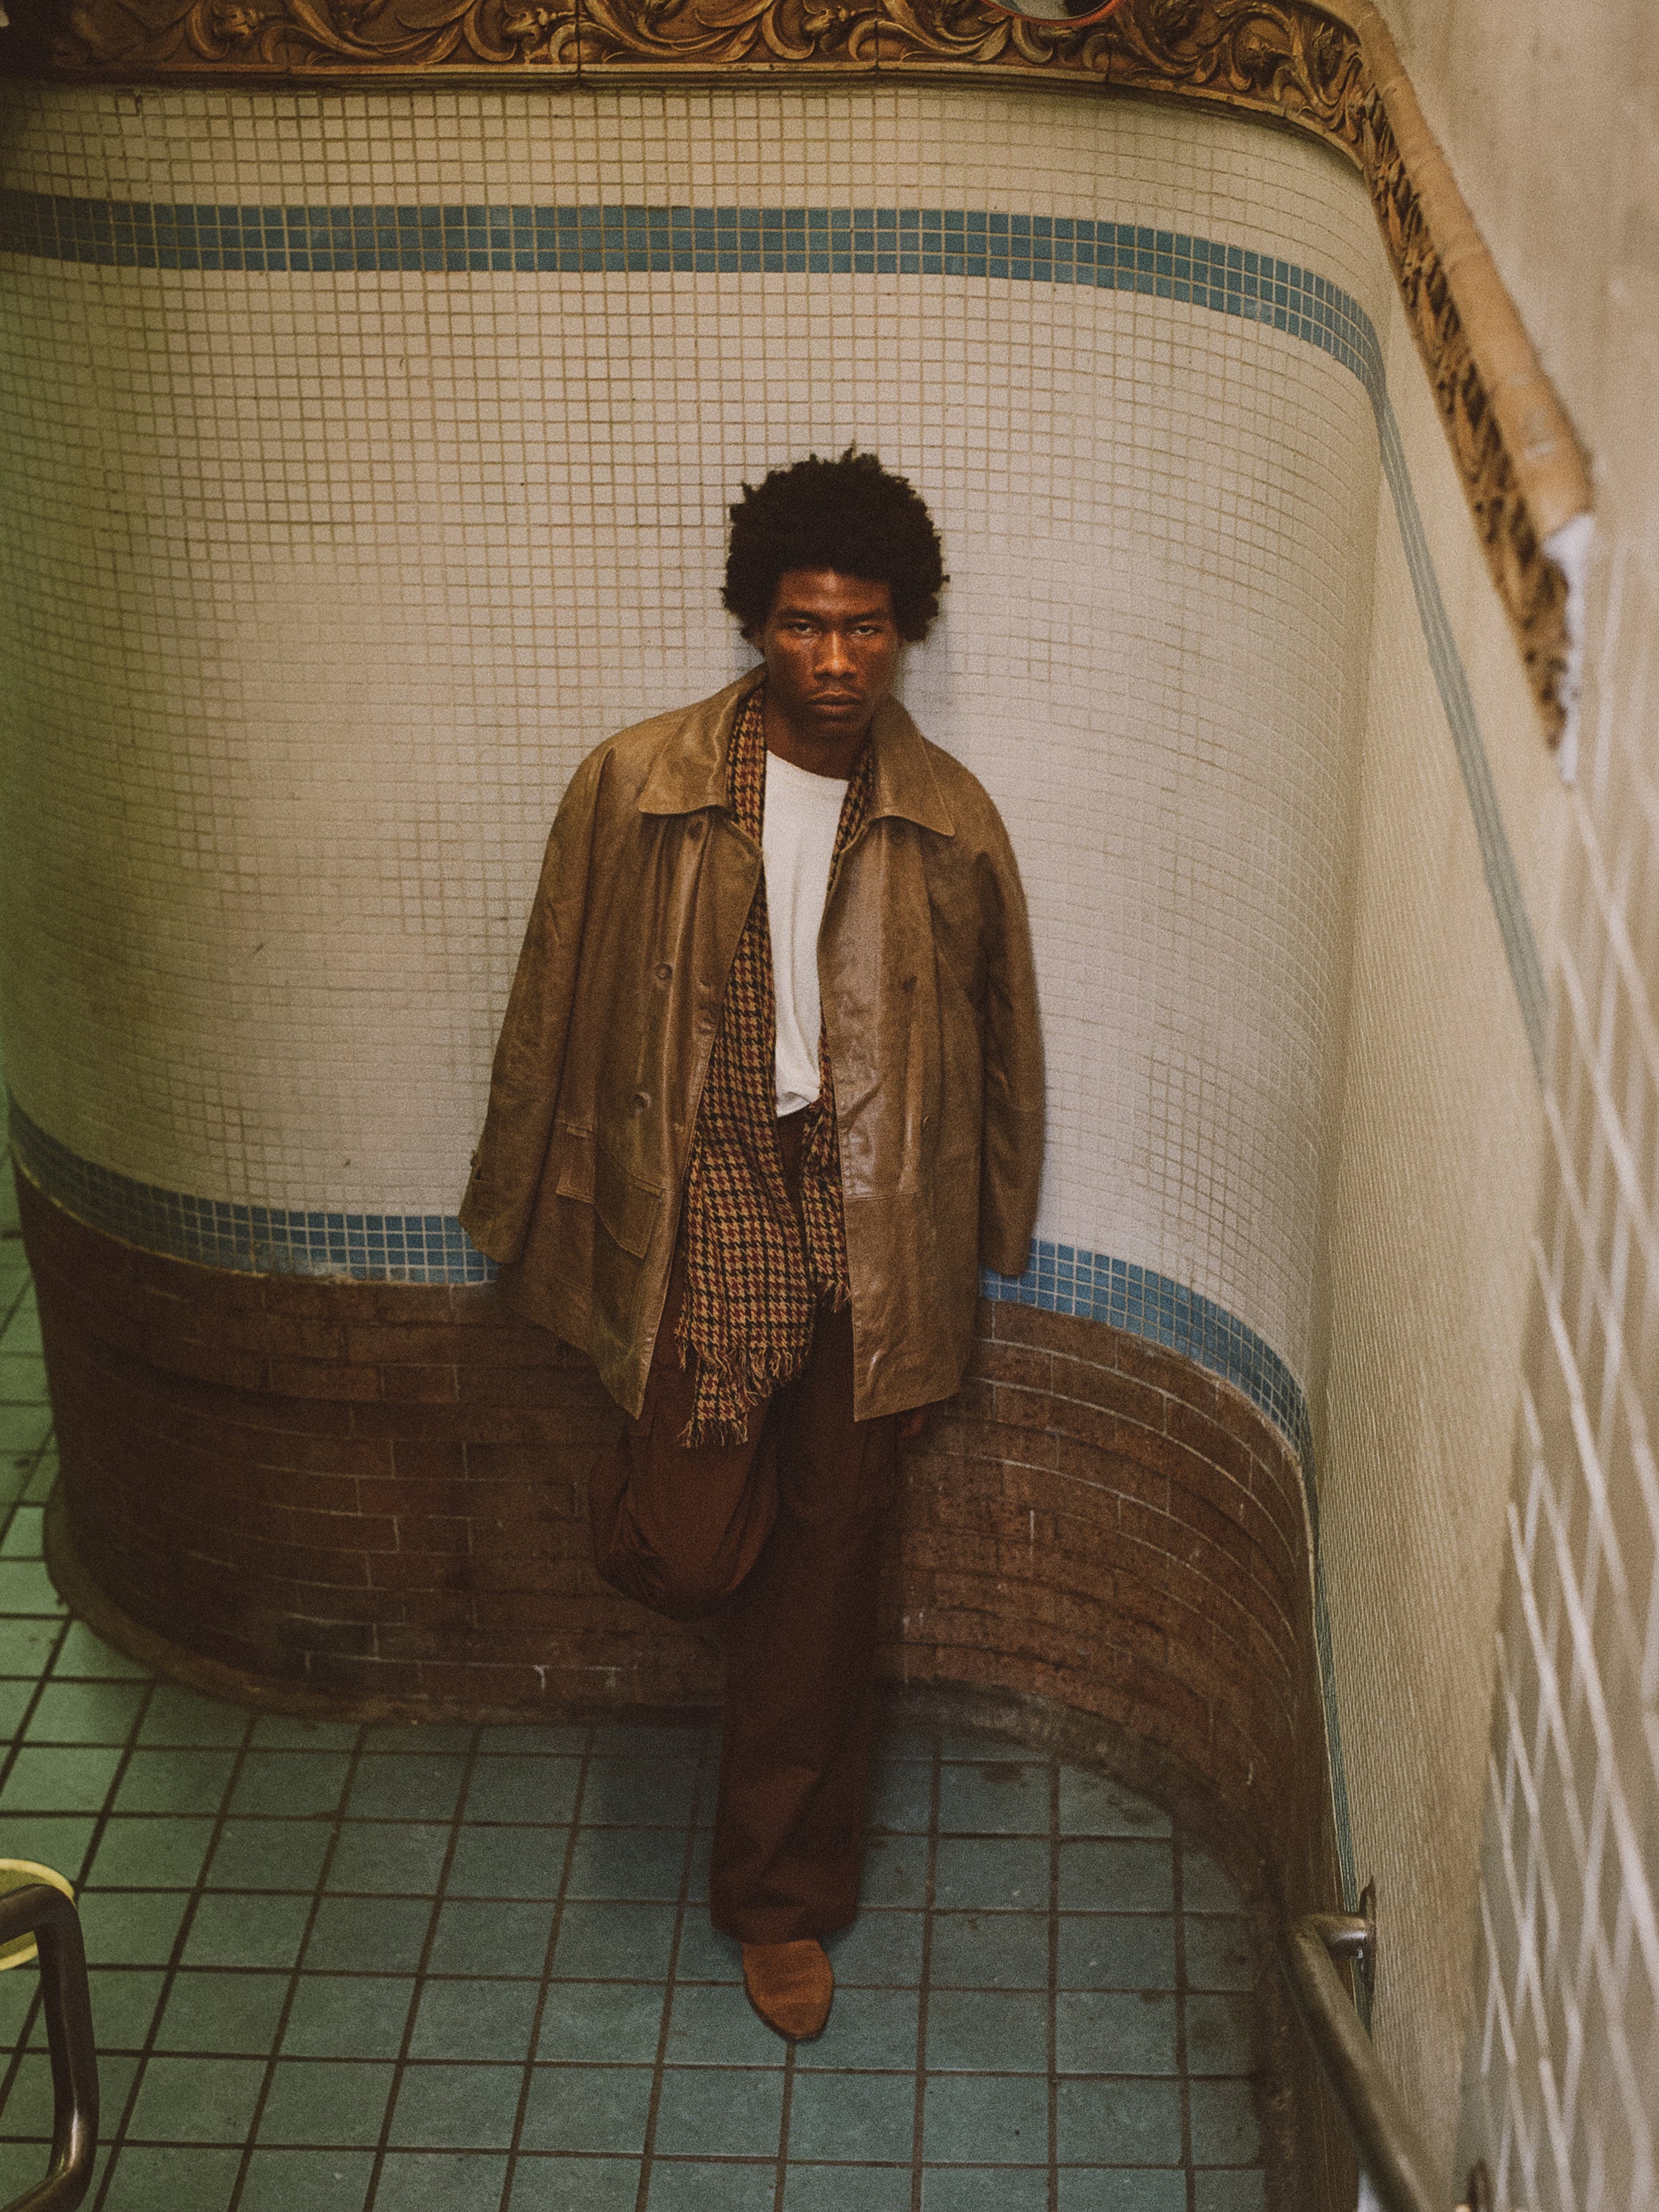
(1331, 71)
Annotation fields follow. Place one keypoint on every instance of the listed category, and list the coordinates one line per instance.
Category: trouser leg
(790, 1521)
(800, 1661)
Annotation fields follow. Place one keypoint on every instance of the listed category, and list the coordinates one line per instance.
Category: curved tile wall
(1330, 71)
(330, 575)
(341, 536)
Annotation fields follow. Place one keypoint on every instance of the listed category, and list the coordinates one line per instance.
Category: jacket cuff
(482, 1221)
(1003, 1255)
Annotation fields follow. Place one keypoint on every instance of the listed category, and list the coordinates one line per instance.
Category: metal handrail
(1391, 2152)
(46, 1913)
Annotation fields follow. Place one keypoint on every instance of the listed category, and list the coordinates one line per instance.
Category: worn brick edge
(238, 1685)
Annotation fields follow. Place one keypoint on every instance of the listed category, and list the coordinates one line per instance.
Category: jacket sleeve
(524, 1083)
(1011, 1171)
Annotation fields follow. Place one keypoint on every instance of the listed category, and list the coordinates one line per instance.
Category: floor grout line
(13, 2066)
(1177, 1892)
(117, 2140)
(395, 2091)
(510, 2176)
(924, 1974)
(647, 2146)
(255, 2118)
(783, 2126)
(1052, 2023)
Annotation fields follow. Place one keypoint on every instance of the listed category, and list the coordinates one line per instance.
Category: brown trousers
(782, 1531)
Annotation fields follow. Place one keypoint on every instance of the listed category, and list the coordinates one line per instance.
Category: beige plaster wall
(1546, 114)
(1433, 1205)
(1551, 118)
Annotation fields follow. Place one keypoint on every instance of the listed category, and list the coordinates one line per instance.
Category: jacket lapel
(904, 783)
(690, 771)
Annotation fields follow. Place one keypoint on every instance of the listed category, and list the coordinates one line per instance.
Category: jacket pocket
(627, 1208)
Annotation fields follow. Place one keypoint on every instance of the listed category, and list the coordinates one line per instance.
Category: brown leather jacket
(924, 962)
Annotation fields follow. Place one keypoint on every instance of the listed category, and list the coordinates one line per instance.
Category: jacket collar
(690, 771)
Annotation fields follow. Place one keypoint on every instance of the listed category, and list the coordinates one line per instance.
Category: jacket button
(908, 984)
(641, 1100)
(664, 971)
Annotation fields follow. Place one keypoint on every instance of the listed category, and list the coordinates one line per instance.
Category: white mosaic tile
(361, 563)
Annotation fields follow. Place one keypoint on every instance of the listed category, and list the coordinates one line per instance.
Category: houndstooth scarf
(756, 1272)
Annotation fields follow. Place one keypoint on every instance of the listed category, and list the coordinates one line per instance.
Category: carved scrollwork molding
(1330, 70)
(1523, 472)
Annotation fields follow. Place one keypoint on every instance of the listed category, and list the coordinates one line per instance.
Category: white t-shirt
(798, 844)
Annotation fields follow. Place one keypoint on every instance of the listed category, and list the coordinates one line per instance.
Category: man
(768, 1093)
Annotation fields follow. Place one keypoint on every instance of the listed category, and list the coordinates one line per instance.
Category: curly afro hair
(851, 515)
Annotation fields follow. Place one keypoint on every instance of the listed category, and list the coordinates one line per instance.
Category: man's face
(831, 649)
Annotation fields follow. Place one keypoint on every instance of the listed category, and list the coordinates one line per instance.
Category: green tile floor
(456, 1970)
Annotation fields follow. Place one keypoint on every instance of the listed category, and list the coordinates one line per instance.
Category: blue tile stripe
(254, 1240)
(1062, 1279)
(433, 1247)
(1451, 679)
(686, 240)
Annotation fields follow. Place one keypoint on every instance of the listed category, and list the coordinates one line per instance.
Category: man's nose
(835, 657)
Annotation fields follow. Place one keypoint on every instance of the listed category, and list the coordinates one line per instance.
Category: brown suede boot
(790, 1986)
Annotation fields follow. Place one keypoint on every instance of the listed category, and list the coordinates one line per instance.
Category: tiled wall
(1555, 140)
(330, 575)
(1430, 1216)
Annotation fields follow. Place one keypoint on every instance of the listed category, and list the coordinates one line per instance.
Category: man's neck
(836, 755)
